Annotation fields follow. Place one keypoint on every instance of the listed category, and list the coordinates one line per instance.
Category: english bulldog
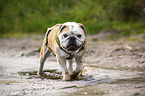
(67, 42)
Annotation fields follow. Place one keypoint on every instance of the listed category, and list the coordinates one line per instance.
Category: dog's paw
(67, 77)
(75, 75)
(40, 74)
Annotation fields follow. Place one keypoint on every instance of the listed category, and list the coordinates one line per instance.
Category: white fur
(68, 73)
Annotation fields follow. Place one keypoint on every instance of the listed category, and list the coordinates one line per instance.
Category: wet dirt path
(119, 73)
(18, 77)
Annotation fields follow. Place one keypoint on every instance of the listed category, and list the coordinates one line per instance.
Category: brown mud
(111, 68)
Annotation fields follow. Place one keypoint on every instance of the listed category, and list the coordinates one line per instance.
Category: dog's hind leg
(43, 56)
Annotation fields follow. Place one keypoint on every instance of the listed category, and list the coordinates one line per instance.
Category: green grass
(20, 17)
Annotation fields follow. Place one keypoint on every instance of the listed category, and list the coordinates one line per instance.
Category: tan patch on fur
(65, 30)
(51, 38)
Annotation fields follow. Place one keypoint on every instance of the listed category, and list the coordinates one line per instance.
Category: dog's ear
(61, 27)
(83, 27)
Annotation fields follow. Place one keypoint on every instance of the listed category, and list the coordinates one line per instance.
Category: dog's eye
(65, 35)
(79, 36)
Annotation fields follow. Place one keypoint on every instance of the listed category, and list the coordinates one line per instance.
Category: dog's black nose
(72, 44)
(72, 38)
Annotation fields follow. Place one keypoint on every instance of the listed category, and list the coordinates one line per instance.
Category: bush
(35, 16)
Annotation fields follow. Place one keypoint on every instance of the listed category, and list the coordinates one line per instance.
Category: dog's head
(71, 35)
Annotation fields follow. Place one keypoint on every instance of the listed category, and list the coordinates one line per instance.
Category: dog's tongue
(72, 46)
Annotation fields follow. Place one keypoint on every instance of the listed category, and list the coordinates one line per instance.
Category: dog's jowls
(66, 41)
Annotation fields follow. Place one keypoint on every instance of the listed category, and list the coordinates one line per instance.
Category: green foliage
(35, 16)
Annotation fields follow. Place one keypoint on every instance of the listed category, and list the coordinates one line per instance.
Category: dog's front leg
(65, 73)
(79, 67)
(70, 68)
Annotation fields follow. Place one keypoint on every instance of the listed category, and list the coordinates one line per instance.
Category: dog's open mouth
(72, 47)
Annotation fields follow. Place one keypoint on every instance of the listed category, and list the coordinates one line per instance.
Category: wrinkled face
(72, 36)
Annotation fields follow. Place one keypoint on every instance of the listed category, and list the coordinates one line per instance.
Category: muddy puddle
(18, 76)
(48, 74)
